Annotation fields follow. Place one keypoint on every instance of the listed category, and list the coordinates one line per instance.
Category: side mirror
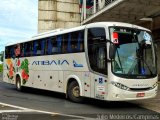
(145, 43)
(112, 51)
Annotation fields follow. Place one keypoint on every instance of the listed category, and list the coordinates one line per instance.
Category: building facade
(53, 14)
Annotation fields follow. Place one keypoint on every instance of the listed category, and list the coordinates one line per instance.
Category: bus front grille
(140, 89)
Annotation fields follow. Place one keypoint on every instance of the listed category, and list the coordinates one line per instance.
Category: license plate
(140, 94)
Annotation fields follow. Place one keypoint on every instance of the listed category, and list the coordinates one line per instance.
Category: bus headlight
(119, 85)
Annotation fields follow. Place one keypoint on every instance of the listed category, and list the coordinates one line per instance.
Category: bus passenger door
(99, 78)
(97, 58)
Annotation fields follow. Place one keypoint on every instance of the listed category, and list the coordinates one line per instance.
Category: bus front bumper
(123, 95)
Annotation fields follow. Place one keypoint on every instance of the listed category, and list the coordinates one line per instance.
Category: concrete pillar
(54, 14)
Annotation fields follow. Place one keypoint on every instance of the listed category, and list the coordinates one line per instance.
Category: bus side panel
(9, 71)
(86, 78)
(60, 81)
(6, 79)
(47, 80)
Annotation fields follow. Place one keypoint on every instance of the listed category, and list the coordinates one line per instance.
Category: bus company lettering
(51, 62)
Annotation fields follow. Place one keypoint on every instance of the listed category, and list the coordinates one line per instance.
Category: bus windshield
(135, 56)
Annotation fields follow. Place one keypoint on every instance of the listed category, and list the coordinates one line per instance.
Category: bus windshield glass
(135, 55)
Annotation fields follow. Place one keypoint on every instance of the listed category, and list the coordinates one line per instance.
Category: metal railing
(108, 2)
(98, 6)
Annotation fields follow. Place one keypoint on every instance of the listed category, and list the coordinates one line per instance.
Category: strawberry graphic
(25, 71)
(18, 62)
(25, 76)
(10, 74)
(10, 70)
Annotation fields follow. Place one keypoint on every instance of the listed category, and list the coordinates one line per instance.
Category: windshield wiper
(140, 58)
(133, 65)
(119, 61)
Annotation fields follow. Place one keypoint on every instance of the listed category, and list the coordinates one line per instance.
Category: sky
(18, 20)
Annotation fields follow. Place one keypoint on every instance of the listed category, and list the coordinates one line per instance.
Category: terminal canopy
(126, 11)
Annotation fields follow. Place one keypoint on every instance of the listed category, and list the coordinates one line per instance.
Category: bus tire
(18, 84)
(73, 92)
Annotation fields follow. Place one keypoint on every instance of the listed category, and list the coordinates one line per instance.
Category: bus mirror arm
(109, 60)
(112, 50)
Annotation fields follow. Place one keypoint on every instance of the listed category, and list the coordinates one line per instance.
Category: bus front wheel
(73, 92)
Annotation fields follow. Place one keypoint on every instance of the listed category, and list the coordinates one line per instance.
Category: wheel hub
(76, 91)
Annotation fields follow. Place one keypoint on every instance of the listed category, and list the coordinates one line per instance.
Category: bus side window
(45, 48)
(37, 47)
(17, 50)
(54, 45)
(7, 55)
(28, 48)
(65, 43)
(69, 49)
(81, 41)
(43, 43)
(25, 50)
(49, 46)
(76, 42)
(22, 49)
(58, 47)
(12, 51)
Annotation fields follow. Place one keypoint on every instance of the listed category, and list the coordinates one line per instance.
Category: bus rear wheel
(18, 84)
(73, 92)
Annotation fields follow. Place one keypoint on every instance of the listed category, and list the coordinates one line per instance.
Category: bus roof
(63, 31)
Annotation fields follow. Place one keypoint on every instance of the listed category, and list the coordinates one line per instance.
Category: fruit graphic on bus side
(18, 62)
(24, 75)
(10, 68)
(25, 71)
(11, 71)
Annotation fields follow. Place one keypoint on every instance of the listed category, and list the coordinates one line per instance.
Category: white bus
(106, 60)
